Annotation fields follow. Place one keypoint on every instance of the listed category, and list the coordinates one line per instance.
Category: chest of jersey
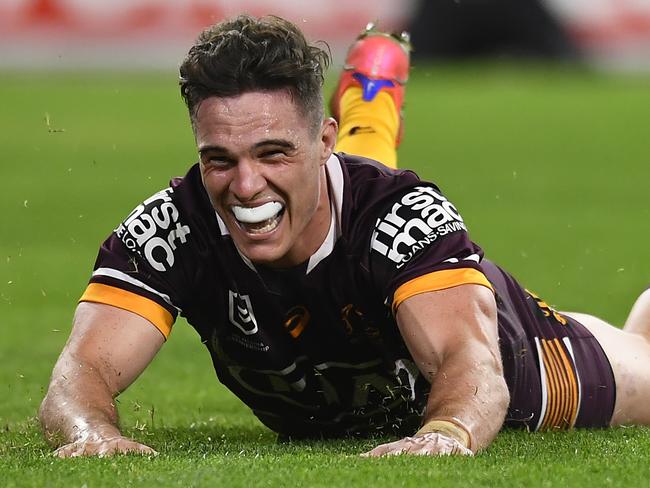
(305, 351)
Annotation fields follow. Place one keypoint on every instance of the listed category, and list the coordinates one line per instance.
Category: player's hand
(104, 447)
(429, 444)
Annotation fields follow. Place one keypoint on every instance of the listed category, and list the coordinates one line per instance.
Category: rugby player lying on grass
(336, 296)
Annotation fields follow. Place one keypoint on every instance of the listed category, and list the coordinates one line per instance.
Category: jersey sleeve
(420, 243)
(142, 266)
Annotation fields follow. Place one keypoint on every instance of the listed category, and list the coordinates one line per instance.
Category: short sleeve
(143, 265)
(420, 243)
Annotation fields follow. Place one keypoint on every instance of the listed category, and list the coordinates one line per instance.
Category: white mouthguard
(255, 215)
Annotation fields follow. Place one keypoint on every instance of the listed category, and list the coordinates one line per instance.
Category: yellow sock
(369, 129)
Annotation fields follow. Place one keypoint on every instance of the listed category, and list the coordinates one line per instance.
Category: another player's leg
(628, 351)
(638, 321)
(368, 100)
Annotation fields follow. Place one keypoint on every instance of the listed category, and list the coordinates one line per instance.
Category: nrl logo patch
(416, 221)
(240, 312)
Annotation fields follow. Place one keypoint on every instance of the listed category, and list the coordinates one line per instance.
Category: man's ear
(328, 134)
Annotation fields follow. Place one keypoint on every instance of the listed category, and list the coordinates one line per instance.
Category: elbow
(499, 392)
(54, 410)
(503, 394)
(46, 414)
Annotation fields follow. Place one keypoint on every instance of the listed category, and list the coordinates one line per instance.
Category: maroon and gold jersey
(315, 349)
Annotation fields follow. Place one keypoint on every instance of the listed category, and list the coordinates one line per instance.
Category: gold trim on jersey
(148, 309)
(439, 280)
(297, 319)
(561, 383)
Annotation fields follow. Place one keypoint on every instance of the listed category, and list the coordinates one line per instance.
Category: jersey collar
(335, 189)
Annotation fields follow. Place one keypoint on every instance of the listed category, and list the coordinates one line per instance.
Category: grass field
(549, 166)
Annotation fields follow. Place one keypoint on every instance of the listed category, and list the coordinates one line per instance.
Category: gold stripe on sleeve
(148, 309)
(439, 280)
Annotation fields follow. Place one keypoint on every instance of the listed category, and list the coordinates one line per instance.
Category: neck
(314, 234)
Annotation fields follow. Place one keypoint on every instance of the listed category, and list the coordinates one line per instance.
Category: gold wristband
(451, 427)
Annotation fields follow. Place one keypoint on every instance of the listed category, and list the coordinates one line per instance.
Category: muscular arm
(107, 350)
(452, 335)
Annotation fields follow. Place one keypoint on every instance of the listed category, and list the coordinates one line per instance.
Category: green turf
(549, 167)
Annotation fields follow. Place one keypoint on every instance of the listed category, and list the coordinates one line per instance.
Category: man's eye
(272, 153)
(218, 161)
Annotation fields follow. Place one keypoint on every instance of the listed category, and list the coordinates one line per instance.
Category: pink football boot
(376, 61)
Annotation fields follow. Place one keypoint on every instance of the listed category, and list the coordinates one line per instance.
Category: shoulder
(167, 223)
(393, 219)
(374, 193)
(367, 178)
(368, 184)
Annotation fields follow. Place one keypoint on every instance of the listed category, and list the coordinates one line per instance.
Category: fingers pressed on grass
(104, 448)
(430, 444)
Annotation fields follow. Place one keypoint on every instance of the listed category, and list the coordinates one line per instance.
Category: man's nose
(247, 180)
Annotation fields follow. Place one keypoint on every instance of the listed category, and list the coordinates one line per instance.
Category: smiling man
(264, 172)
(336, 296)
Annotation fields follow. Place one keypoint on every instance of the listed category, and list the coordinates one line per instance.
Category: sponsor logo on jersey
(363, 388)
(240, 313)
(420, 218)
(154, 231)
(367, 390)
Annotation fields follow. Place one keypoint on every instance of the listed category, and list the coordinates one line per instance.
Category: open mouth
(259, 220)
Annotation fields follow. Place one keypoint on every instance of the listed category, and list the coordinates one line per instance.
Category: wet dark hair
(247, 54)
